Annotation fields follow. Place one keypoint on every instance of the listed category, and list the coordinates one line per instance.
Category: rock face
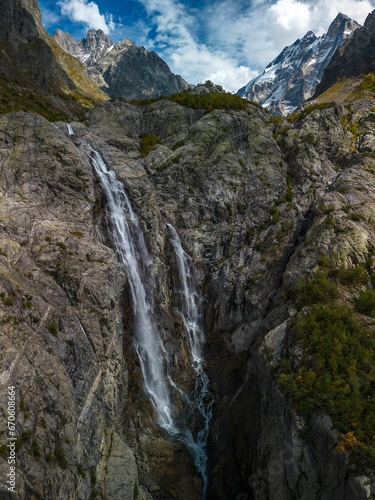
(66, 338)
(354, 58)
(260, 208)
(122, 69)
(291, 78)
(33, 68)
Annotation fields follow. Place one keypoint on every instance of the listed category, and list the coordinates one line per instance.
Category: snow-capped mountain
(291, 78)
(122, 69)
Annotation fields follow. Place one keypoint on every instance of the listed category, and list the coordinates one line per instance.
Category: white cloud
(86, 12)
(176, 41)
(323, 12)
(257, 34)
(290, 15)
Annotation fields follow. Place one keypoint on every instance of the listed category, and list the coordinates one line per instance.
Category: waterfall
(189, 308)
(70, 129)
(158, 383)
(132, 253)
(189, 300)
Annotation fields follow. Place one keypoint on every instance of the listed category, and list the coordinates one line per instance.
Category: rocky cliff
(277, 216)
(291, 78)
(354, 58)
(34, 72)
(257, 208)
(122, 69)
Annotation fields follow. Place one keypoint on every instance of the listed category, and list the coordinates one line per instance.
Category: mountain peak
(292, 76)
(341, 24)
(310, 35)
(356, 57)
(122, 69)
(94, 46)
(97, 36)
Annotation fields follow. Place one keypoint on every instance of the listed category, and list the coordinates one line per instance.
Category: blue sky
(226, 41)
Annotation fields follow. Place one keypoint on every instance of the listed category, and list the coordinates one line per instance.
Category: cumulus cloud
(176, 41)
(290, 15)
(88, 13)
(257, 34)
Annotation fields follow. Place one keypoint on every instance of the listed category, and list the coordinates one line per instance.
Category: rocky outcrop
(66, 343)
(355, 58)
(291, 78)
(122, 69)
(34, 72)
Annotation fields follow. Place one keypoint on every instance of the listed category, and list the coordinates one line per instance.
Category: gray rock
(122, 69)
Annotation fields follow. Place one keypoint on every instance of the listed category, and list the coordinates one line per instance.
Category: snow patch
(109, 49)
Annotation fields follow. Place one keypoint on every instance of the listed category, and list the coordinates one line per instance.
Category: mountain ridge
(122, 69)
(290, 79)
(356, 57)
(32, 60)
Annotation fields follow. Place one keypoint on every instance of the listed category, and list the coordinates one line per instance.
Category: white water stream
(70, 129)
(189, 307)
(158, 383)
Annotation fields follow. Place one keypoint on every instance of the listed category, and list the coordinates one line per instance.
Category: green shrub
(6, 300)
(324, 261)
(81, 471)
(53, 328)
(299, 114)
(59, 455)
(289, 191)
(351, 276)
(368, 83)
(148, 141)
(209, 101)
(21, 440)
(276, 119)
(178, 144)
(275, 216)
(309, 138)
(35, 449)
(365, 303)
(334, 370)
(317, 289)
(356, 217)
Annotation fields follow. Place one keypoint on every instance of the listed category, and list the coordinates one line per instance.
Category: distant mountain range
(122, 69)
(291, 78)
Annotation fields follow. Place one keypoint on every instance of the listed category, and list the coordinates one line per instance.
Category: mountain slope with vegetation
(35, 74)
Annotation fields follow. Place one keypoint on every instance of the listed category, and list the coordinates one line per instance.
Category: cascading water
(158, 383)
(189, 307)
(133, 254)
(70, 129)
